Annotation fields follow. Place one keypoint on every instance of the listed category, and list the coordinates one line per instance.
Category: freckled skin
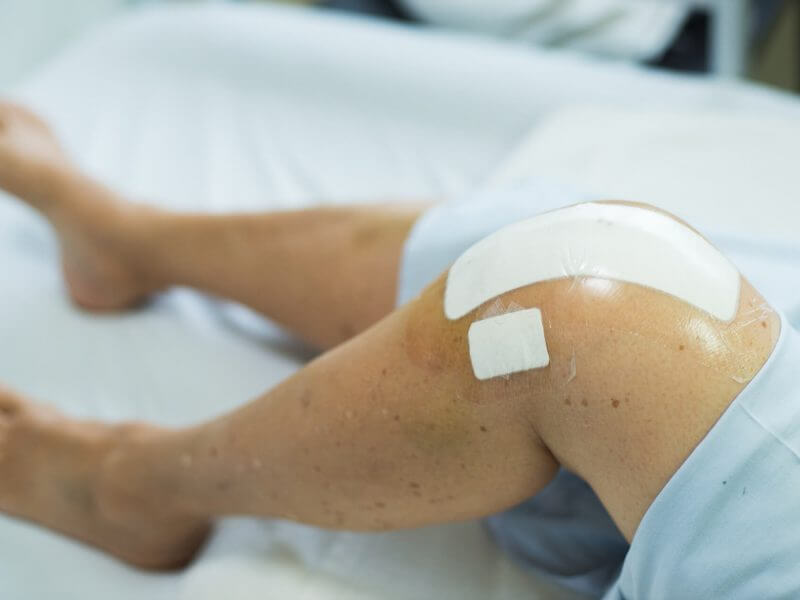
(624, 339)
(676, 367)
(387, 430)
(454, 447)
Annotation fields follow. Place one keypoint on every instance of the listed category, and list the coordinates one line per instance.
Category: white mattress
(229, 108)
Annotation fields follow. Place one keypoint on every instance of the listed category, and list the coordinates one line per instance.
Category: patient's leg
(389, 430)
(396, 428)
(326, 274)
(51, 469)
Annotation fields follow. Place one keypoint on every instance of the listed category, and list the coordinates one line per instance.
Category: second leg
(325, 274)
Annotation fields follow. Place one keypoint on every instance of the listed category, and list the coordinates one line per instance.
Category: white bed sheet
(230, 108)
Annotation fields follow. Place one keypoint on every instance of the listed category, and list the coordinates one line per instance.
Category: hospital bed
(227, 108)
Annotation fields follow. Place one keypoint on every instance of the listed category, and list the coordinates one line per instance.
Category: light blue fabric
(727, 525)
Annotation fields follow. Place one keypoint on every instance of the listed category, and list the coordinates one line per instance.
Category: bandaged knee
(618, 242)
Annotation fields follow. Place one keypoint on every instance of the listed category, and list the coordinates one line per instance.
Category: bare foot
(28, 151)
(54, 471)
(94, 227)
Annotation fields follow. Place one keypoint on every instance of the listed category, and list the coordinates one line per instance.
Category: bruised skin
(635, 381)
(391, 429)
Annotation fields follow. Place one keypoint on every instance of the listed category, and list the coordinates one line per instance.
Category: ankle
(131, 483)
(110, 259)
(137, 228)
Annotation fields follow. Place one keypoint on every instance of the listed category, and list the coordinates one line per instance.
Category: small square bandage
(508, 343)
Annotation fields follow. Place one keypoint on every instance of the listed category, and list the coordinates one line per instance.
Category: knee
(615, 330)
(597, 290)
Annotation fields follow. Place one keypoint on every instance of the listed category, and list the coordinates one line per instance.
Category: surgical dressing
(612, 241)
(508, 343)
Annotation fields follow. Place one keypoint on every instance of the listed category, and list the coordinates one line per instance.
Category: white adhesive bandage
(507, 344)
(610, 241)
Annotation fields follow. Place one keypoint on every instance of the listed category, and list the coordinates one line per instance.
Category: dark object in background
(690, 52)
(379, 8)
(776, 51)
(765, 14)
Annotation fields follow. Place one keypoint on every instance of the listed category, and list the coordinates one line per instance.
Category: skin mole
(614, 402)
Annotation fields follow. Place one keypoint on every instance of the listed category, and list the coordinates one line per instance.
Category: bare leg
(325, 274)
(377, 434)
(52, 469)
(390, 429)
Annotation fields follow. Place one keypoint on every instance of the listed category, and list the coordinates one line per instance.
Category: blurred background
(754, 39)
